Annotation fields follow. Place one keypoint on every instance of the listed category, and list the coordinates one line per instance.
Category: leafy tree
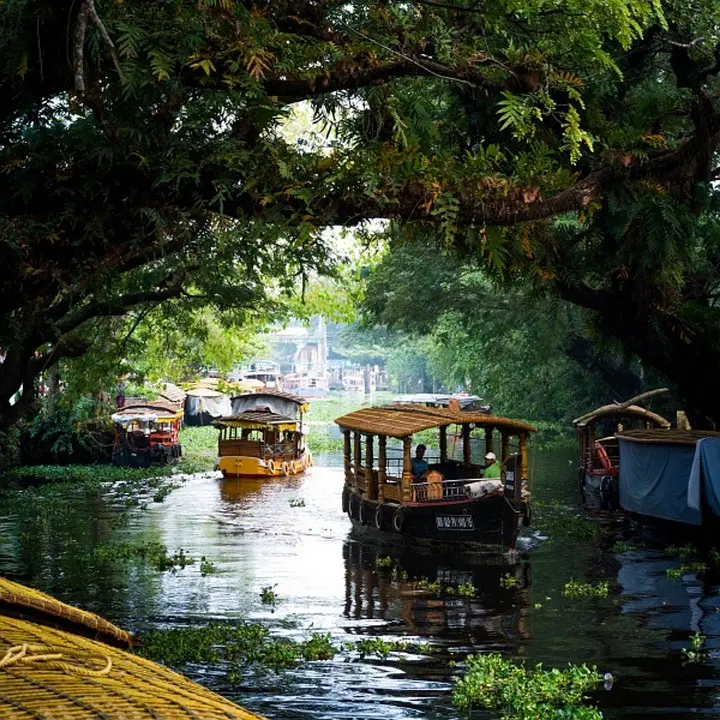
(528, 355)
(569, 145)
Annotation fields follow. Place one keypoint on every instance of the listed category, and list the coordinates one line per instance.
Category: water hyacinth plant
(516, 693)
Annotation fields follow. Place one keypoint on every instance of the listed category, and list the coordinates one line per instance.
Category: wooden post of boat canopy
(467, 450)
(522, 476)
(443, 444)
(346, 442)
(407, 476)
(357, 460)
(382, 466)
(370, 479)
(505, 446)
(489, 440)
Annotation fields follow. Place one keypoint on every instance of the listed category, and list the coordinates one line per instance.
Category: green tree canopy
(567, 144)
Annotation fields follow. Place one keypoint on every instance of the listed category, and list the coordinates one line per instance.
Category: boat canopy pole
(467, 450)
(505, 446)
(382, 466)
(357, 459)
(346, 444)
(407, 476)
(370, 479)
(523, 470)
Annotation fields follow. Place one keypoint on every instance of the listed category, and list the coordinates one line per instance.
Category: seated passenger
(492, 469)
(420, 466)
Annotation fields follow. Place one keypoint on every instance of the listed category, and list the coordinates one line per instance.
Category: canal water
(291, 535)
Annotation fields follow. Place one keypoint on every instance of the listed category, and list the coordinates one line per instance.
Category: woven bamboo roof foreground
(254, 418)
(606, 412)
(16, 597)
(47, 673)
(672, 436)
(404, 420)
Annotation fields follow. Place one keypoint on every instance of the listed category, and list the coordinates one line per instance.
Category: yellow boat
(264, 436)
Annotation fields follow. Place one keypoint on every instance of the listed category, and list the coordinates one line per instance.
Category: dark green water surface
(326, 580)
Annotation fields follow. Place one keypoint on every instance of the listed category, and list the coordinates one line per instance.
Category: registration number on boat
(454, 522)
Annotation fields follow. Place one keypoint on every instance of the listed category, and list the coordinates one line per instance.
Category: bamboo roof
(672, 436)
(254, 418)
(609, 411)
(404, 420)
(48, 673)
(153, 406)
(19, 599)
(271, 392)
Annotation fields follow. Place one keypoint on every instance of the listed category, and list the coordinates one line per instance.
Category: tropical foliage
(566, 145)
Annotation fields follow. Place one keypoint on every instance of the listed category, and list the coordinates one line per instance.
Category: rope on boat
(31, 653)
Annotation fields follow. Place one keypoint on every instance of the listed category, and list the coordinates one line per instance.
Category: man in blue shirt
(420, 466)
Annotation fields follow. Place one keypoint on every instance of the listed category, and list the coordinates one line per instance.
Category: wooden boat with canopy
(264, 436)
(147, 433)
(452, 503)
(600, 456)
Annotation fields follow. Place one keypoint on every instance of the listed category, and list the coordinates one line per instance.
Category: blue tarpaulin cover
(654, 479)
(706, 470)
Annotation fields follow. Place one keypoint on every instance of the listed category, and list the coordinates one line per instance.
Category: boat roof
(202, 391)
(436, 399)
(608, 411)
(401, 421)
(257, 419)
(672, 436)
(142, 411)
(270, 392)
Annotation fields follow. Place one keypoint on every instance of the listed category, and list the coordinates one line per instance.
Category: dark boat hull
(488, 521)
(600, 493)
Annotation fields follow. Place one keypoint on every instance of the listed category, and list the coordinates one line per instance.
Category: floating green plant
(207, 567)
(682, 552)
(698, 568)
(268, 595)
(517, 693)
(508, 581)
(695, 653)
(385, 561)
(578, 589)
(154, 553)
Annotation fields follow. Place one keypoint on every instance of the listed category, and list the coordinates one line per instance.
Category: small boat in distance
(264, 436)
(457, 401)
(147, 434)
(599, 457)
(452, 502)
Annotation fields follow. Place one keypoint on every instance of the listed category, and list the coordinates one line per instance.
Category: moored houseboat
(264, 436)
(146, 434)
(450, 502)
(671, 476)
(598, 447)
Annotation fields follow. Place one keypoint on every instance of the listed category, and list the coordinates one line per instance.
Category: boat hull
(490, 521)
(235, 466)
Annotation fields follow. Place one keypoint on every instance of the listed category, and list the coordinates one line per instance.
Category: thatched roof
(404, 420)
(611, 411)
(155, 407)
(16, 598)
(673, 437)
(253, 418)
(271, 392)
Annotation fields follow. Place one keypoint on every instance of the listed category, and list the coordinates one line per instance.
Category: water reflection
(328, 580)
(495, 616)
